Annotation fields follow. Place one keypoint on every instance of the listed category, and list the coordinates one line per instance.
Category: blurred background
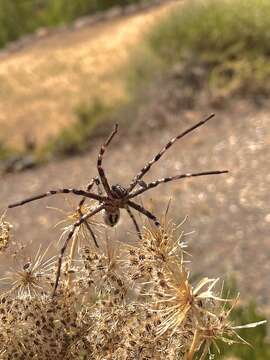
(70, 69)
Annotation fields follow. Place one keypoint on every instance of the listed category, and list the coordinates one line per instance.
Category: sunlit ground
(41, 85)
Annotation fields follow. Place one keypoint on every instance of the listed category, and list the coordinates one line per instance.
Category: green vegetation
(218, 49)
(72, 140)
(18, 17)
(76, 138)
(222, 47)
(257, 337)
(5, 152)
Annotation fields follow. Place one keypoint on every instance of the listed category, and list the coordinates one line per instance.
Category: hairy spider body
(111, 212)
(116, 196)
(119, 192)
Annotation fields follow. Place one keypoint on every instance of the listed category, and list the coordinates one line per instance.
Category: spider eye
(111, 218)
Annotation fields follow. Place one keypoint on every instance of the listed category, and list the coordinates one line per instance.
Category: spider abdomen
(111, 218)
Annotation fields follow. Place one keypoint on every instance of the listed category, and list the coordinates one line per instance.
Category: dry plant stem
(71, 258)
(193, 347)
(70, 235)
(81, 203)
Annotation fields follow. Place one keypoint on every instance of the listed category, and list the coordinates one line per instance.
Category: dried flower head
(84, 232)
(214, 325)
(5, 228)
(30, 276)
(124, 303)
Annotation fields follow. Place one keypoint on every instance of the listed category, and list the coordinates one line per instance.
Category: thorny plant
(126, 302)
(117, 197)
(5, 228)
(29, 275)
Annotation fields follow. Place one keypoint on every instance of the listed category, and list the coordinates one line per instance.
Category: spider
(117, 196)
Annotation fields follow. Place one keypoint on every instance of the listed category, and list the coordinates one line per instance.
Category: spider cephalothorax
(116, 196)
(119, 192)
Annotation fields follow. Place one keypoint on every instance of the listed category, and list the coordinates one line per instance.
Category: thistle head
(5, 228)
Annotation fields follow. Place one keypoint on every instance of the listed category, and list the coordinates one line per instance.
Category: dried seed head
(125, 302)
(82, 232)
(5, 228)
(31, 277)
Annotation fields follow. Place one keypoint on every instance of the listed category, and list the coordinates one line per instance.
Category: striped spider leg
(82, 219)
(120, 197)
(80, 206)
(145, 187)
(148, 166)
(108, 203)
(112, 213)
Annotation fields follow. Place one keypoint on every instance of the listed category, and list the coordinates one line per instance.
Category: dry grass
(42, 84)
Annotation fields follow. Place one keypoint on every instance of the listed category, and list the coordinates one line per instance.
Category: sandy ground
(230, 214)
(42, 84)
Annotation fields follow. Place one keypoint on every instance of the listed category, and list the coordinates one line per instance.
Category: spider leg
(89, 229)
(148, 166)
(100, 192)
(172, 178)
(99, 162)
(88, 188)
(59, 191)
(63, 249)
(79, 210)
(144, 211)
(134, 222)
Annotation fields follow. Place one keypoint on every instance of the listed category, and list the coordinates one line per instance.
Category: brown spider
(117, 197)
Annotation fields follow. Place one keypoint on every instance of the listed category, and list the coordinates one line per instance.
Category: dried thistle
(30, 277)
(5, 228)
(124, 303)
(82, 234)
(104, 273)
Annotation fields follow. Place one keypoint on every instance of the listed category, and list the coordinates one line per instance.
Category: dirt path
(230, 214)
(42, 84)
